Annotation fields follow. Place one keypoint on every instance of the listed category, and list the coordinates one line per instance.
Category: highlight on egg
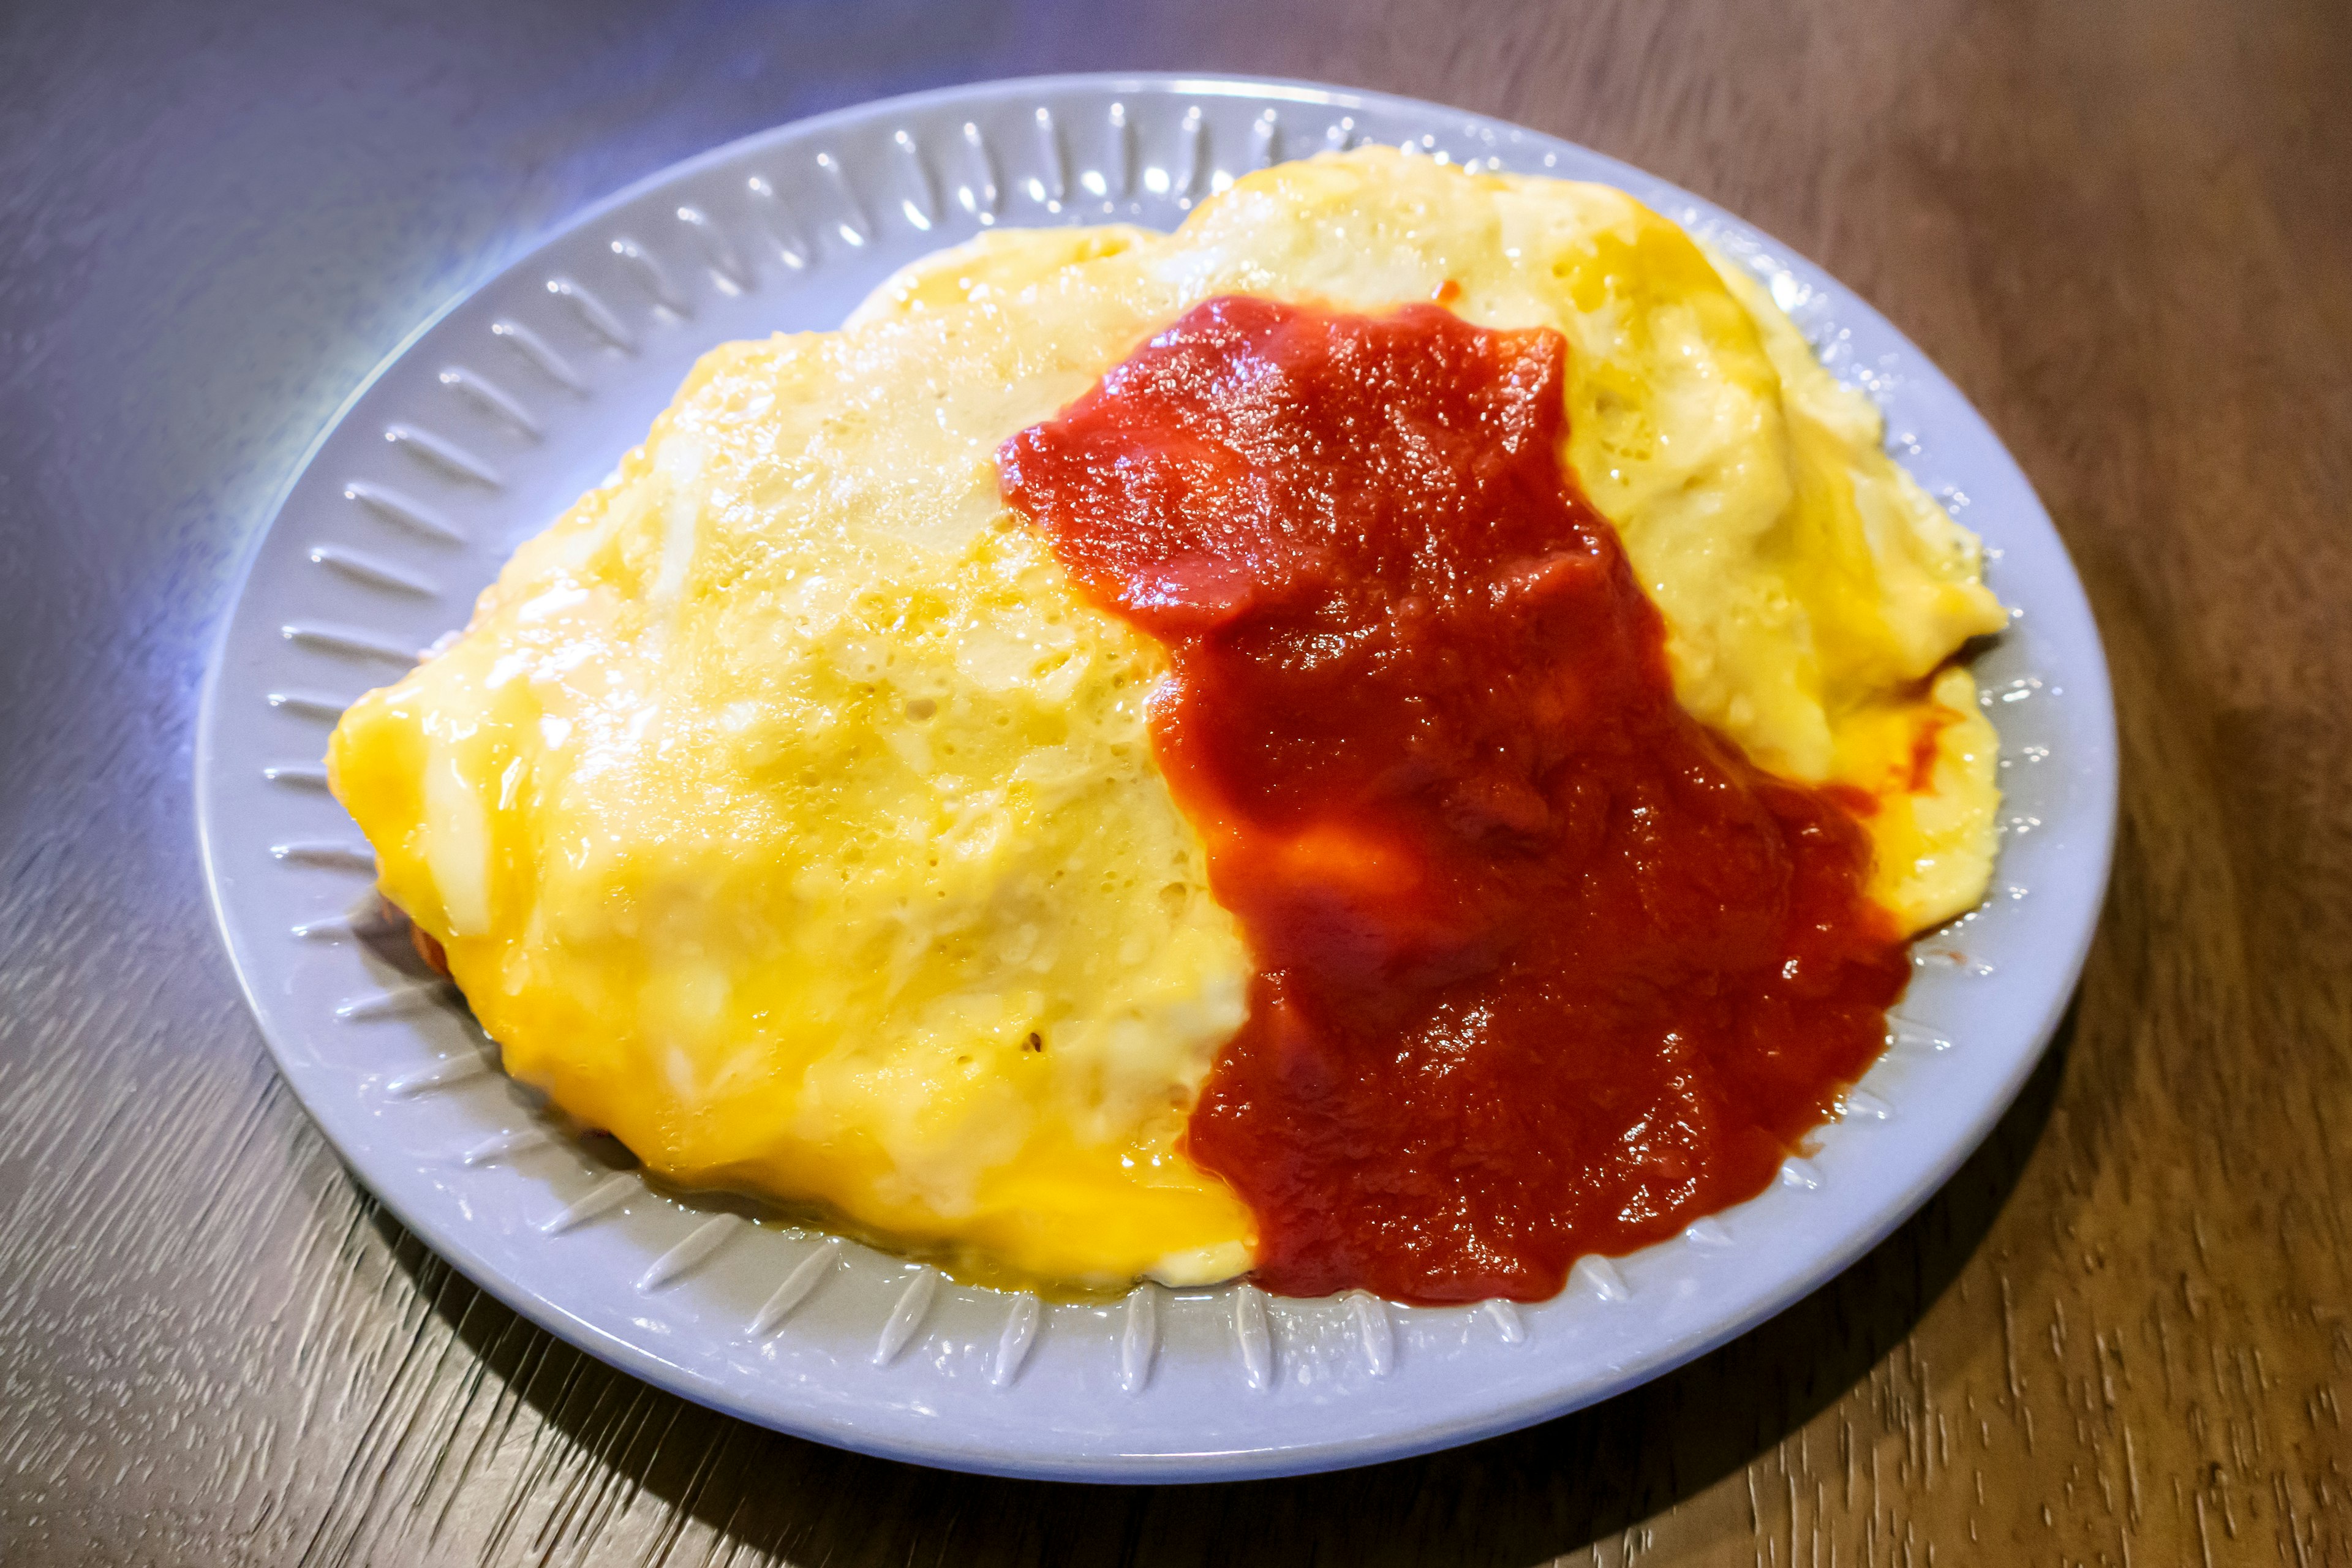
(825, 827)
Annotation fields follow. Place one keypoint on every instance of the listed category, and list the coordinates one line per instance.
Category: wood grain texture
(2121, 1336)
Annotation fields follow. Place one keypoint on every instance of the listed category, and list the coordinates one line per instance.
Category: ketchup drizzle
(1546, 966)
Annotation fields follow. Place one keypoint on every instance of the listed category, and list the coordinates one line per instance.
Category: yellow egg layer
(784, 811)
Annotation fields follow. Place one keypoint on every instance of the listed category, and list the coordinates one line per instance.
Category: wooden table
(2120, 1336)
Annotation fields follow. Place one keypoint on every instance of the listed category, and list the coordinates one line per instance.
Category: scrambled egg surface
(784, 811)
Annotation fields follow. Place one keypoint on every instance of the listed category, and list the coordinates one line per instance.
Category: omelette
(792, 809)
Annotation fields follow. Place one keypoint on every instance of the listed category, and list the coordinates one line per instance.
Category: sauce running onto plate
(1546, 967)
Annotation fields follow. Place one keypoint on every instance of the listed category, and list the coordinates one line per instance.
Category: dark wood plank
(2120, 1336)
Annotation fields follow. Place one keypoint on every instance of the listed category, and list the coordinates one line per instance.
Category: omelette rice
(787, 810)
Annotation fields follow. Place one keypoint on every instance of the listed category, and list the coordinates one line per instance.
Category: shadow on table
(1586, 1478)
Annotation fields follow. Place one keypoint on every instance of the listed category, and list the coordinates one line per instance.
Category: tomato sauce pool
(1546, 967)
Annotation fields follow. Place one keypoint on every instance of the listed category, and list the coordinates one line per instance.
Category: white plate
(492, 418)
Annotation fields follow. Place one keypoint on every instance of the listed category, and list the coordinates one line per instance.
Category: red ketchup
(1546, 967)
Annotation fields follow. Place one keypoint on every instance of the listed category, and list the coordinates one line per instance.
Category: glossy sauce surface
(1546, 967)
